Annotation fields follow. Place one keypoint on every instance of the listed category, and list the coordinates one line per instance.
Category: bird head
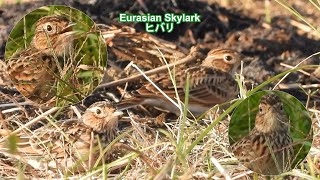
(53, 34)
(271, 115)
(223, 59)
(102, 117)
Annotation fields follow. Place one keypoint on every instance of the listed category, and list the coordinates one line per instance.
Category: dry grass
(184, 148)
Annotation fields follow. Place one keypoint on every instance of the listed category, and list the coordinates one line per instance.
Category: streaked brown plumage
(4, 77)
(72, 146)
(268, 149)
(211, 83)
(34, 70)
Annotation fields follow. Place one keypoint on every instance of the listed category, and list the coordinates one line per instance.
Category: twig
(298, 85)
(291, 67)
(143, 5)
(194, 54)
(17, 104)
(303, 27)
(220, 168)
(295, 67)
(35, 120)
(314, 110)
(12, 110)
(245, 173)
(76, 111)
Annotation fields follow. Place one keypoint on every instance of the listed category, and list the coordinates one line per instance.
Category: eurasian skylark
(268, 149)
(34, 70)
(69, 145)
(211, 83)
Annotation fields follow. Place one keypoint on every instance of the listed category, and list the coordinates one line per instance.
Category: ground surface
(263, 30)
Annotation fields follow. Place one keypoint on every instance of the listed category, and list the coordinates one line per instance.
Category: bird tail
(128, 103)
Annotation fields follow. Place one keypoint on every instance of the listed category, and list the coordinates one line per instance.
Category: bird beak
(117, 113)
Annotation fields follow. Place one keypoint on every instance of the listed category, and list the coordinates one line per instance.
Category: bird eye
(281, 107)
(98, 111)
(49, 28)
(260, 109)
(228, 58)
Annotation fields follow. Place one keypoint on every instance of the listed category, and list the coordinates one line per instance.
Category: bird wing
(65, 146)
(164, 82)
(210, 86)
(32, 73)
(253, 147)
(265, 153)
(50, 139)
(207, 86)
(60, 140)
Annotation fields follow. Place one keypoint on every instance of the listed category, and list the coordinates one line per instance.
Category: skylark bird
(210, 83)
(34, 70)
(268, 149)
(70, 145)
